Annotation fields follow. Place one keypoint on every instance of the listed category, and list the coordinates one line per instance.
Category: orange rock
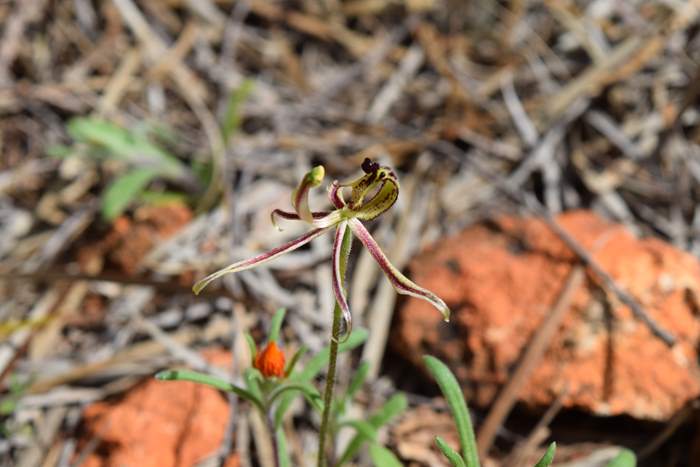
(130, 240)
(159, 424)
(502, 279)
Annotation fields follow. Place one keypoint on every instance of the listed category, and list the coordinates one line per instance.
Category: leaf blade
(455, 399)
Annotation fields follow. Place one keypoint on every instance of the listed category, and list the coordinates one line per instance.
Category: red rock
(502, 279)
(132, 238)
(159, 424)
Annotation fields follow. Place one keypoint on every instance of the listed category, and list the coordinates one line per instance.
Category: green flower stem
(273, 436)
(330, 382)
(333, 357)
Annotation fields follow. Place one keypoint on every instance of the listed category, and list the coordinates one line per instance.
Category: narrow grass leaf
(208, 380)
(276, 325)
(295, 359)
(625, 458)
(357, 380)
(282, 451)
(452, 455)
(125, 189)
(455, 399)
(232, 116)
(391, 408)
(382, 457)
(548, 457)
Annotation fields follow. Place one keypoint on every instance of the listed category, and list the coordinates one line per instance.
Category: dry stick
(535, 207)
(533, 354)
(539, 433)
(607, 280)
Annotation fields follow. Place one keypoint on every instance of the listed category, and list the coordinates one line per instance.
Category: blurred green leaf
(358, 379)
(455, 399)
(125, 145)
(208, 380)
(162, 197)
(252, 348)
(625, 458)
(365, 430)
(123, 190)
(382, 457)
(295, 359)
(307, 389)
(452, 455)
(391, 408)
(232, 116)
(282, 451)
(276, 325)
(59, 151)
(548, 457)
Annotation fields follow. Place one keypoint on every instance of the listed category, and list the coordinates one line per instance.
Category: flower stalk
(344, 253)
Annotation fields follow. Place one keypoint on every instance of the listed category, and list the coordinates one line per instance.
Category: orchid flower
(370, 195)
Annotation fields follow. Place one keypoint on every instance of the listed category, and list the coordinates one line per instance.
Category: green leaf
(276, 325)
(382, 457)
(365, 430)
(455, 399)
(253, 378)
(122, 191)
(548, 457)
(252, 348)
(125, 145)
(452, 455)
(314, 366)
(208, 380)
(232, 116)
(625, 458)
(293, 362)
(391, 408)
(320, 360)
(59, 151)
(282, 451)
(162, 197)
(309, 391)
(357, 380)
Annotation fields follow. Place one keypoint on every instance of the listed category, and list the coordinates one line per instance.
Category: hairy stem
(333, 357)
(330, 382)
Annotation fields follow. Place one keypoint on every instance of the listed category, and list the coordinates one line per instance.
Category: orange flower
(270, 361)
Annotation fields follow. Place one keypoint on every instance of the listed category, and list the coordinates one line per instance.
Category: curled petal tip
(300, 196)
(401, 283)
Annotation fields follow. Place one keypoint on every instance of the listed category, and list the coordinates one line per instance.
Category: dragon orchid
(370, 195)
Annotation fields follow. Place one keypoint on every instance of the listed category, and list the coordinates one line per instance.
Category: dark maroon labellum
(368, 166)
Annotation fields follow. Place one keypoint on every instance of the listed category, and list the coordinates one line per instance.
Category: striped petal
(338, 275)
(261, 258)
(335, 195)
(300, 196)
(320, 219)
(401, 283)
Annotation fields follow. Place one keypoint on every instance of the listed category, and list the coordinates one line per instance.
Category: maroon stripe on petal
(335, 195)
(261, 258)
(291, 216)
(401, 283)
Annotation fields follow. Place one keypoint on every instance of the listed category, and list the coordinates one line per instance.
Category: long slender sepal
(401, 283)
(300, 196)
(320, 219)
(339, 275)
(261, 258)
